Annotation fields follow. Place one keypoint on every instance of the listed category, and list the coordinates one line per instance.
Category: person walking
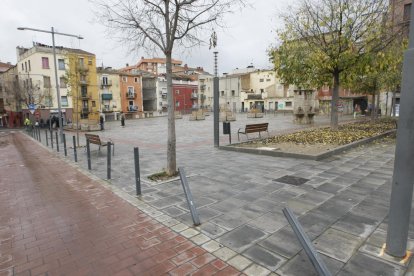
(122, 119)
(101, 122)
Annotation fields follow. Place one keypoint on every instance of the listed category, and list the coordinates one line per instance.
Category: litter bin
(226, 127)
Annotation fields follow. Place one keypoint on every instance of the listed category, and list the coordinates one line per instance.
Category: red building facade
(185, 97)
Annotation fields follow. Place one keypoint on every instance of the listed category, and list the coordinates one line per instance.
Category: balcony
(107, 110)
(194, 96)
(131, 95)
(106, 97)
(85, 110)
(85, 96)
(106, 83)
(203, 87)
(203, 97)
(132, 108)
(254, 97)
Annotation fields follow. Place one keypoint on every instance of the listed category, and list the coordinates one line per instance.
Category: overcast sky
(248, 34)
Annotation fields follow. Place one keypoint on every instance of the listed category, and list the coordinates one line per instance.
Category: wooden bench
(95, 139)
(253, 128)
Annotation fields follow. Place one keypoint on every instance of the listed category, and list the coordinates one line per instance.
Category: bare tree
(337, 34)
(160, 25)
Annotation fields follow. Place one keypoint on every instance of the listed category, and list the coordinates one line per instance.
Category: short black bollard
(137, 171)
(74, 149)
(51, 138)
(108, 161)
(189, 197)
(64, 144)
(88, 153)
(47, 142)
(57, 141)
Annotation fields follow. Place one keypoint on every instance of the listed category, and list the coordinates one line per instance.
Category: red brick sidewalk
(54, 220)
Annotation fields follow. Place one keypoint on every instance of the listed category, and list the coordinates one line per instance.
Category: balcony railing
(106, 96)
(106, 84)
(85, 110)
(84, 96)
(194, 96)
(107, 110)
(131, 95)
(203, 97)
(132, 108)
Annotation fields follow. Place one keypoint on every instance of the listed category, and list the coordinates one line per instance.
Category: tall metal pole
(57, 87)
(402, 182)
(216, 103)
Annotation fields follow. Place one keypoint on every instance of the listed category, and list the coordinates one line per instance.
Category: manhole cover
(292, 180)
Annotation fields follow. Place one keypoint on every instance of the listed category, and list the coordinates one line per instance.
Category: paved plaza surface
(342, 206)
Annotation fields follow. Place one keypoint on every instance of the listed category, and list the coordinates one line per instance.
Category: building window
(90, 61)
(267, 79)
(84, 90)
(62, 81)
(45, 63)
(25, 66)
(261, 90)
(288, 104)
(407, 12)
(136, 79)
(81, 63)
(30, 67)
(233, 92)
(124, 79)
(222, 93)
(105, 80)
(177, 104)
(261, 80)
(93, 104)
(177, 92)
(64, 100)
(46, 82)
(22, 66)
(130, 90)
(61, 64)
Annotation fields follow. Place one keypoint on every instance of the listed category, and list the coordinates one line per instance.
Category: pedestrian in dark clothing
(122, 119)
(101, 122)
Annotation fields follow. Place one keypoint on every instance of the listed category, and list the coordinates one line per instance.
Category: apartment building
(76, 70)
(109, 93)
(10, 101)
(131, 94)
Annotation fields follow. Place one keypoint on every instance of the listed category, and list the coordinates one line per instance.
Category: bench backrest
(256, 127)
(93, 138)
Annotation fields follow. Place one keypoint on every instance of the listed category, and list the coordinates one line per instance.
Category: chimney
(127, 65)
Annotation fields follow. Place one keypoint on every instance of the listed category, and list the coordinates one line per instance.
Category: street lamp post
(52, 31)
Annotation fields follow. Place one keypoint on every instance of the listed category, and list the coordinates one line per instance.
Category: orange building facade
(130, 85)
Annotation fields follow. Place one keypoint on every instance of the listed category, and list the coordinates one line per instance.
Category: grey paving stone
(264, 257)
(230, 220)
(330, 188)
(362, 264)
(228, 205)
(283, 242)
(337, 244)
(300, 265)
(167, 201)
(173, 211)
(357, 225)
(250, 195)
(335, 207)
(242, 238)
(270, 222)
(315, 223)
(212, 230)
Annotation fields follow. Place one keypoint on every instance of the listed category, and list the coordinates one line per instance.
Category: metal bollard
(137, 171)
(88, 153)
(47, 142)
(64, 144)
(307, 245)
(57, 141)
(108, 161)
(74, 149)
(189, 197)
(51, 138)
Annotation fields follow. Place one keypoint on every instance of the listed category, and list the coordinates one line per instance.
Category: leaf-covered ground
(345, 134)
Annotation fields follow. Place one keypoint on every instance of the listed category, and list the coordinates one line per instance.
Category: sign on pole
(32, 108)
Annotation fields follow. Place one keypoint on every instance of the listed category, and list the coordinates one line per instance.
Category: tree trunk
(373, 106)
(334, 101)
(171, 143)
(394, 94)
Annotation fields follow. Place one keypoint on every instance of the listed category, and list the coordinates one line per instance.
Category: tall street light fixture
(52, 31)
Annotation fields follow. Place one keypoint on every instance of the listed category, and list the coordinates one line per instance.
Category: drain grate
(292, 180)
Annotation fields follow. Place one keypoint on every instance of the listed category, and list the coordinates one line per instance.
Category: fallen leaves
(345, 134)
